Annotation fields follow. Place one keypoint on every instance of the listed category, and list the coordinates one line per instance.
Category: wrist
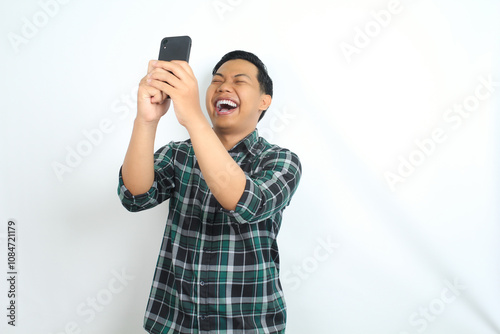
(147, 125)
(197, 124)
(146, 122)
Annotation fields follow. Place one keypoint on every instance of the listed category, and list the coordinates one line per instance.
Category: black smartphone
(175, 48)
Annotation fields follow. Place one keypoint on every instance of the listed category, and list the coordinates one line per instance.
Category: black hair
(265, 82)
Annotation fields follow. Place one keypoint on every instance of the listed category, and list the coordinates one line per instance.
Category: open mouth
(225, 107)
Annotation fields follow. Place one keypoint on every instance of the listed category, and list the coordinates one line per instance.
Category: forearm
(222, 174)
(138, 166)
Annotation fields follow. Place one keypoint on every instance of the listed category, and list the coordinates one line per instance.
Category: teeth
(228, 102)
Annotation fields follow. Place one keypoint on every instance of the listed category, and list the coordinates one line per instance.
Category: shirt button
(203, 317)
(202, 283)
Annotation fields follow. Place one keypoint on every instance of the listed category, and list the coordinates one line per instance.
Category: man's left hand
(176, 79)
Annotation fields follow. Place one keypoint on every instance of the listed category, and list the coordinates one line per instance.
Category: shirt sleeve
(270, 189)
(162, 187)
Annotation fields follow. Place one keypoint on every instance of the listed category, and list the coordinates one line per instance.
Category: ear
(265, 102)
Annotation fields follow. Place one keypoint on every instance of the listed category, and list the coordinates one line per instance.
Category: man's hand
(152, 103)
(176, 79)
(138, 166)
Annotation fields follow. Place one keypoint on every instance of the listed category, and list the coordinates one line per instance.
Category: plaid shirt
(218, 270)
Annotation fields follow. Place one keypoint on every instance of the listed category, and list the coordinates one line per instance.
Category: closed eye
(217, 78)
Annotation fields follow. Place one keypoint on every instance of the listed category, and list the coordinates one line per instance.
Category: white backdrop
(391, 105)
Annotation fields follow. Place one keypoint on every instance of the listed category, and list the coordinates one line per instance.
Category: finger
(151, 93)
(173, 67)
(162, 86)
(157, 97)
(165, 76)
(184, 65)
(151, 65)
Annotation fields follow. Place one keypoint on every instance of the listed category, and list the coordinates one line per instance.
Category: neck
(230, 139)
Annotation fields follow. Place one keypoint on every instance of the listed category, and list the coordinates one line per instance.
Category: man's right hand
(152, 103)
(138, 166)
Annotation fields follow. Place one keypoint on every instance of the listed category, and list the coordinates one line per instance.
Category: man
(218, 268)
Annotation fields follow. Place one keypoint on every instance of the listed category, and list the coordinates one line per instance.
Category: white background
(357, 256)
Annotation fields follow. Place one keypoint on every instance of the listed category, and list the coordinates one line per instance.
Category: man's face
(234, 99)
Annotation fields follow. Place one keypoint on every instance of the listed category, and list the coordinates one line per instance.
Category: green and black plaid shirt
(218, 270)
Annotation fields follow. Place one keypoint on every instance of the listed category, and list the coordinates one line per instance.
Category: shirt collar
(250, 142)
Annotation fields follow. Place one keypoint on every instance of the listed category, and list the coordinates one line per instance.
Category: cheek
(250, 100)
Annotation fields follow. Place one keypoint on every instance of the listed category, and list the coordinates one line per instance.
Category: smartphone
(175, 48)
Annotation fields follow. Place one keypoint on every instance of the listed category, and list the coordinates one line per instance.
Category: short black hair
(265, 82)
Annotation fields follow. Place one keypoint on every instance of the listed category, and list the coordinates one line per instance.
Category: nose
(224, 87)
